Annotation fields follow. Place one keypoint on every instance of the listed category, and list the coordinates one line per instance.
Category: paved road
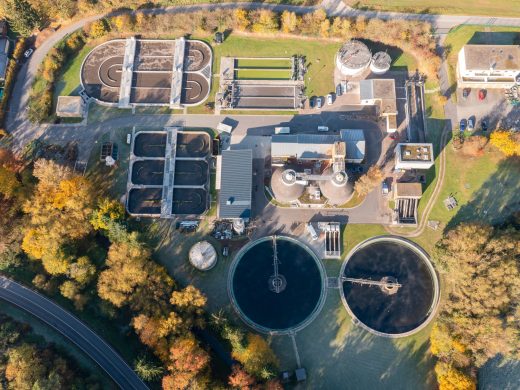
(72, 328)
(23, 131)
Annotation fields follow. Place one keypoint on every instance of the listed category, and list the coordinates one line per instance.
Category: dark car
(312, 101)
(465, 93)
(462, 125)
(484, 126)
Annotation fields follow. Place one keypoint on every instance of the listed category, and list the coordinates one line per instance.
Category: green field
(462, 7)
(262, 63)
(263, 74)
(69, 83)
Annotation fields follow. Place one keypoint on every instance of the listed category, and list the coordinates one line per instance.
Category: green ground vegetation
(476, 34)
(69, 81)
(463, 7)
(263, 63)
(263, 74)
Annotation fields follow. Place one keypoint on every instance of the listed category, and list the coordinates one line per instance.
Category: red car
(482, 94)
(394, 135)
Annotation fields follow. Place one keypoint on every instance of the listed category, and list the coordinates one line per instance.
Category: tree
(240, 379)
(191, 302)
(506, 141)
(257, 357)
(108, 211)
(289, 21)
(98, 29)
(147, 329)
(82, 271)
(9, 183)
(24, 367)
(369, 181)
(147, 370)
(241, 19)
(22, 17)
(449, 378)
(189, 363)
(264, 21)
(481, 264)
(122, 22)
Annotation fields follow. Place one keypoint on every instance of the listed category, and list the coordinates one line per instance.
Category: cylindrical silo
(353, 58)
(285, 186)
(203, 256)
(381, 62)
(337, 189)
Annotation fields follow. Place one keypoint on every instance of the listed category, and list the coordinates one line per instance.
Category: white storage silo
(353, 58)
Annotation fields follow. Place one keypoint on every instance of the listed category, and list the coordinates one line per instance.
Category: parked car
(357, 169)
(394, 135)
(344, 87)
(384, 188)
(465, 93)
(312, 101)
(462, 125)
(338, 90)
(330, 99)
(471, 124)
(484, 126)
(319, 102)
(28, 53)
(482, 94)
(225, 251)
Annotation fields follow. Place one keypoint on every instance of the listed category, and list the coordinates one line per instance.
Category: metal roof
(236, 181)
(355, 142)
(4, 59)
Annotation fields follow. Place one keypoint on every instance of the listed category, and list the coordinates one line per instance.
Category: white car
(28, 53)
(329, 99)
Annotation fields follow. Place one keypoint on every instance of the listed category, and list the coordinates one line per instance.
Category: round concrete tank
(285, 186)
(381, 62)
(203, 256)
(353, 58)
(336, 189)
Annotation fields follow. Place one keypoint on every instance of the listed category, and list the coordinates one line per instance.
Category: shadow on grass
(499, 373)
(496, 200)
(495, 38)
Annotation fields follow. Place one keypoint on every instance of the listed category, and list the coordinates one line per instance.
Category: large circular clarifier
(276, 284)
(389, 286)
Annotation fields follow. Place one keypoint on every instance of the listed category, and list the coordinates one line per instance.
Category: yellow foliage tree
(241, 19)
(449, 378)
(257, 357)
(106, 211)
(289, 21)
(506, 141)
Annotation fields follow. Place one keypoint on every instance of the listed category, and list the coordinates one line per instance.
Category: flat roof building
(414, 156)
(488, 66)
(319, 146)
(408, 190)
(70, 107)
(236, 181)
(381, 92)
(4, 57)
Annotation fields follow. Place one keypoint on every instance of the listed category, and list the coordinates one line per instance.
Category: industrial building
(406, 196)
(381, 93)
(414, 156)
(488, 66)
(4, 58)
(318, 146)
(70, 107)
(381, 62)
(235, 177)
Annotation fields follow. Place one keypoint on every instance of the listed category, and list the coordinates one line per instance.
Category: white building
(414, 156)
(488, 66)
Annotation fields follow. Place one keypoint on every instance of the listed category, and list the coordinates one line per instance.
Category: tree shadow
(495, 38)
(496, 200)
(499, 373)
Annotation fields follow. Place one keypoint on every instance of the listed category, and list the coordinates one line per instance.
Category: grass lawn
(263, 74)
(98, 113)
(69, 80)
(462, 35)
(263, 63)
(463, 7)
(111, 180)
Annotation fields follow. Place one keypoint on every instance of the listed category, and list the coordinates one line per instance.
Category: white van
(323, 128)
(282, 130)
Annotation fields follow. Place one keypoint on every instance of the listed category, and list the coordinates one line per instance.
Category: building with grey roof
(236, 180)
(4, 58)
(488, 66)
(318, 146)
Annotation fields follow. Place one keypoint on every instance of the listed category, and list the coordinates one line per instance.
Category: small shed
(70, 107)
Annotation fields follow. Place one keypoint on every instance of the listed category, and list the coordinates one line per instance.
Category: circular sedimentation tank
(285, 186)
(277, 285)
(381, 62)
(337, 190)
(203, 256)
(389, 286)
(353, 58)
